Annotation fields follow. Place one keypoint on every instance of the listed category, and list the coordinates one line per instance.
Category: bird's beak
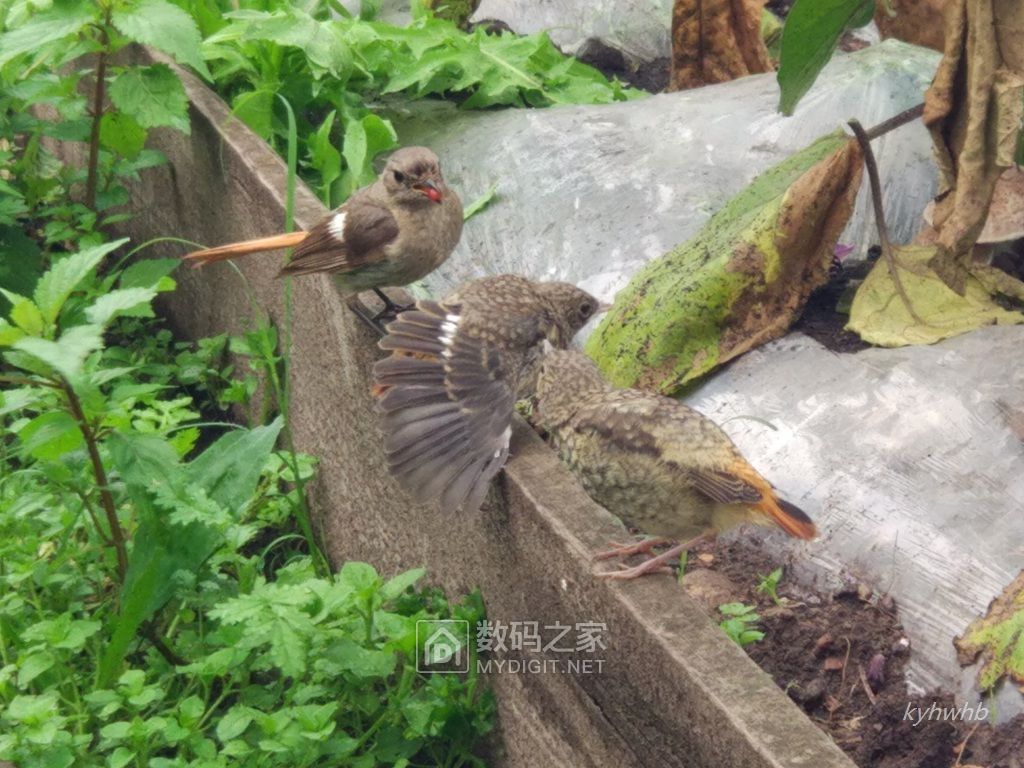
(430, 189)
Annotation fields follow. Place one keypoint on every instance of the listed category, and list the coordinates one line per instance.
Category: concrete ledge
(673, 691)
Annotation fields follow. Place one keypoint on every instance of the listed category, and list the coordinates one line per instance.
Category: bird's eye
(399, 176)
(586, 309)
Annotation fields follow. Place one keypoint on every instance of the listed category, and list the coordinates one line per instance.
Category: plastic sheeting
(591, 193)
(638, 28)
(909, 462)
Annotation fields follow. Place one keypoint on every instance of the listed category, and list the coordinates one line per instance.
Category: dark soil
(822, 321)
(841, 658)
(651, 76)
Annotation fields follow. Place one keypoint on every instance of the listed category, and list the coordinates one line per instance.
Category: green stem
(117, 536)
(97, 114)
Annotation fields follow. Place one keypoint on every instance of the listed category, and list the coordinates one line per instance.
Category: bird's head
(412, 176)
(565, 379)
(573, 307)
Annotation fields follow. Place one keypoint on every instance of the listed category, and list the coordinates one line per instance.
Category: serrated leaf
(165, 27)
(25, 314)
(51, 435)
(323, 48)
(121, 133)
(152, 96)
(363, 662)
(63, 277)
(121, 301)
(33, 666)
(62, 20)
(812, 29)
(67, 354)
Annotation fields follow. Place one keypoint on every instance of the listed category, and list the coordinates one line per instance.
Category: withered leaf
(714, 41)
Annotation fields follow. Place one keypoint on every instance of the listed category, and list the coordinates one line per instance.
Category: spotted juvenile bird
(448, 390)
(658, 465)
(390, 233)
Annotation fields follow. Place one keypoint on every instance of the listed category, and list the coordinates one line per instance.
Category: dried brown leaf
(714, 41)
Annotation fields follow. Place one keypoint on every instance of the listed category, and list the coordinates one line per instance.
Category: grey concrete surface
(673, 690)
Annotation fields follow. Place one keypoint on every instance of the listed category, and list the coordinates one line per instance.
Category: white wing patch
(337, 225)
(506, 438)
(448, 329)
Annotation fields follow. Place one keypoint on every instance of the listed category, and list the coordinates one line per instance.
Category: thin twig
(867, 686)
(97, 114)
(149, 631)
(897, 121)
(963, 747)
(100, 475)
(883, 230)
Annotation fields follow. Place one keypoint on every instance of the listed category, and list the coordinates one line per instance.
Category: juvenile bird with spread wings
(390, 233)
(457, 368)
(658, 465)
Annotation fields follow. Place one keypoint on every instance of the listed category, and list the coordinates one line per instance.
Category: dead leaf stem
(876, 201)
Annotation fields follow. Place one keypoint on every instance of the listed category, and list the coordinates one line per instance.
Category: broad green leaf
(121, 133)
(364, 662)
(110, 305)
(152, 96)
(33, 666)
(324, 49)
(324, 157)
(9, 333)
(256, 110)
(230, 468)
(62, 20)
(51, 435)
(397, 585)
(25, 314)
(67, 354)
(234, 722)
(354, 150)
(63, 277)
(149, 273)
(165, 27)
(812, 29)
(880, 317)
(740, 281)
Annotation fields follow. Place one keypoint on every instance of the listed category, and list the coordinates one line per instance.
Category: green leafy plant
(740, 623)
(48, 52)
(157, 607)
(342, 77)
(768, 585)
(810, 35)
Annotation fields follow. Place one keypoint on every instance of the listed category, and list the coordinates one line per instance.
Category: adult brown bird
(653, 462)
(390, 233)
(449, 388)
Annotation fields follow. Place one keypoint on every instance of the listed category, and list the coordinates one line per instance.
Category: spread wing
(447, 397)
(354, 235)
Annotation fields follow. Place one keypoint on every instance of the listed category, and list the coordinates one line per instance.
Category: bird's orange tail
(230, 251)
(788, 517)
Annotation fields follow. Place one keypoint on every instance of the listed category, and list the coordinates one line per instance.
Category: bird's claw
(625, 572)
(620, 550)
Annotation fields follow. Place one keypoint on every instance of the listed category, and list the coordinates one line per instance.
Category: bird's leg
(370, 319)
(391, 309)
(658, 564)
(620, 550)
